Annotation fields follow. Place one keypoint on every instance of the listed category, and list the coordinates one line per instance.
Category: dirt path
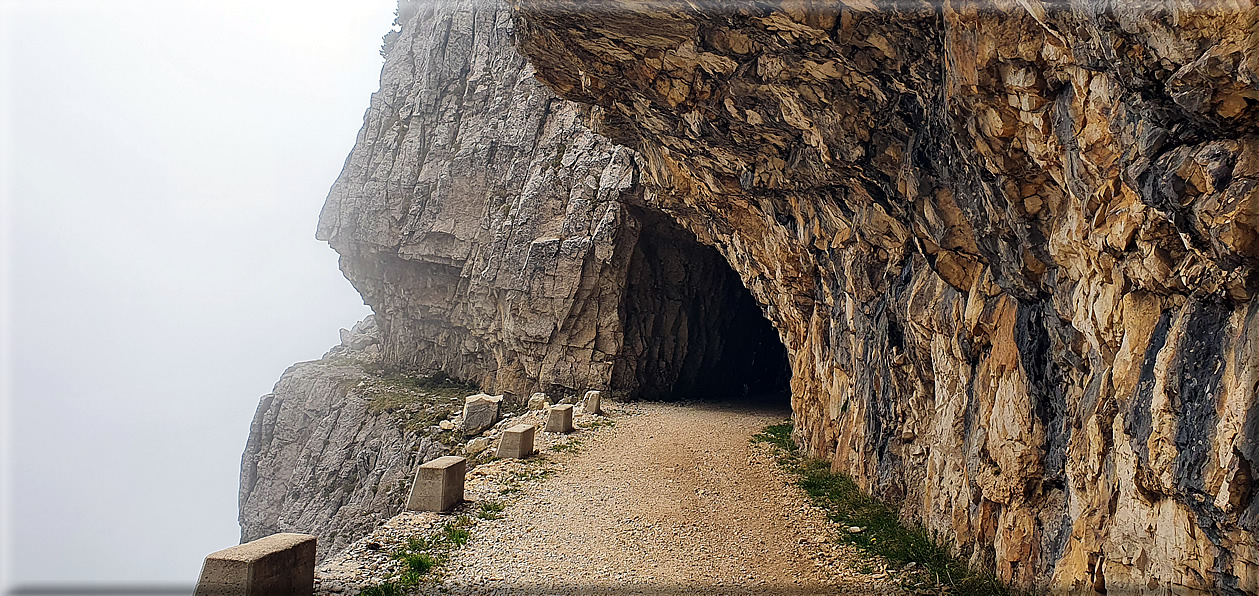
(668, 499)
(658, 499)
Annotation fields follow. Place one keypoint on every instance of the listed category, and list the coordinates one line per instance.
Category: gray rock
(480, 412)
(319, 460)
(539, 401)
(476, 446)
(481, 214)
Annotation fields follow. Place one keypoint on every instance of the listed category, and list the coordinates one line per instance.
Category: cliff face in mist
(495, 236)
(1011, 249)
(503, 243)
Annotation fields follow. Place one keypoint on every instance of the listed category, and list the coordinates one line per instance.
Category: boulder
(480, 412)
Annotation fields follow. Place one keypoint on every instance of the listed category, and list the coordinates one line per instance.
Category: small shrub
(600, 423)
(419, 563)
(456, 532)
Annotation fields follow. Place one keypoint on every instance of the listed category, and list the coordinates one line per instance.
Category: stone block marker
(560, 419)
(276, 564)
(517, 442)
(593, 402)
(438, 484)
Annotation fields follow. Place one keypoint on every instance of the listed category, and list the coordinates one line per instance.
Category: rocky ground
(651, 498)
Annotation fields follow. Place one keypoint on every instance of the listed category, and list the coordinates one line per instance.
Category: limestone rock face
(499, 241)
(322, 458)
(478, 216)
(1012, 253)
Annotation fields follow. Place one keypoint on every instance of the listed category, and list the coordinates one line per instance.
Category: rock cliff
(1011, 248)
(501, 242)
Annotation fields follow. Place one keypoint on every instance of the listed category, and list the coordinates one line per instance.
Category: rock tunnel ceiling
(1011, 255)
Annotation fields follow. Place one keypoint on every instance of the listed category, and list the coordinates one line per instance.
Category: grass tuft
(385, 589)
(423, 555)
(490, 510)
(882, 532)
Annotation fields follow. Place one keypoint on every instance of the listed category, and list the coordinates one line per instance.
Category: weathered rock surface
(480, 412)
(539, 401)
(1011, 252)
(326, 455)
(478, 216)
(1011, 249)
(499, 241)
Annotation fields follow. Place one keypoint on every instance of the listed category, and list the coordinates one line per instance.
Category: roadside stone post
(593, 402)
(517, 442)
(275, 564)
(560, 419)
(438, 484)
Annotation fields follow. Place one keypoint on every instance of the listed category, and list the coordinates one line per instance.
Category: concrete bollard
(438, 484)
(517, 442)
(560, 419)
(593, 402)
(276, 564)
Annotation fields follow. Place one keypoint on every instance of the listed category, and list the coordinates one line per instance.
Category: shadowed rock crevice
(691, 329)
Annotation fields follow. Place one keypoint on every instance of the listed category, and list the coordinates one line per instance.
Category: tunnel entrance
(692, 331)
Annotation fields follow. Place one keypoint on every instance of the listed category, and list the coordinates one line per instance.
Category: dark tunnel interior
(692, 331)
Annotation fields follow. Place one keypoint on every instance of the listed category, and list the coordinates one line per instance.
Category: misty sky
(163, 167)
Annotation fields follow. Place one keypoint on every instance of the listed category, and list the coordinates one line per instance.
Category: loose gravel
(659, 498)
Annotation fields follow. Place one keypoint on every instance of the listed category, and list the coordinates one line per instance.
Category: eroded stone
(480, 412)
(592, 403)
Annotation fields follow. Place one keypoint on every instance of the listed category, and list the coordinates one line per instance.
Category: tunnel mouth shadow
(692, 331)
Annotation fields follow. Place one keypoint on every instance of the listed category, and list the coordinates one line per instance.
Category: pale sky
(163, 167)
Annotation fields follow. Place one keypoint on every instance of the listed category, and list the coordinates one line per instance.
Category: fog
(164, 164)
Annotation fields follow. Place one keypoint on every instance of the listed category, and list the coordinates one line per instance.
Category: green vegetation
(438, 384)
(530, 474)
(418, 401)
(569, 446)
(599, 423)
(491, 510)
(422, 555)
(882, 533)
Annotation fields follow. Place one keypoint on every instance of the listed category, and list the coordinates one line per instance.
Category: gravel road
(665, 499)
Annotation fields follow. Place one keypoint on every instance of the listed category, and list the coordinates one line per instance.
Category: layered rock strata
(1011, 249)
